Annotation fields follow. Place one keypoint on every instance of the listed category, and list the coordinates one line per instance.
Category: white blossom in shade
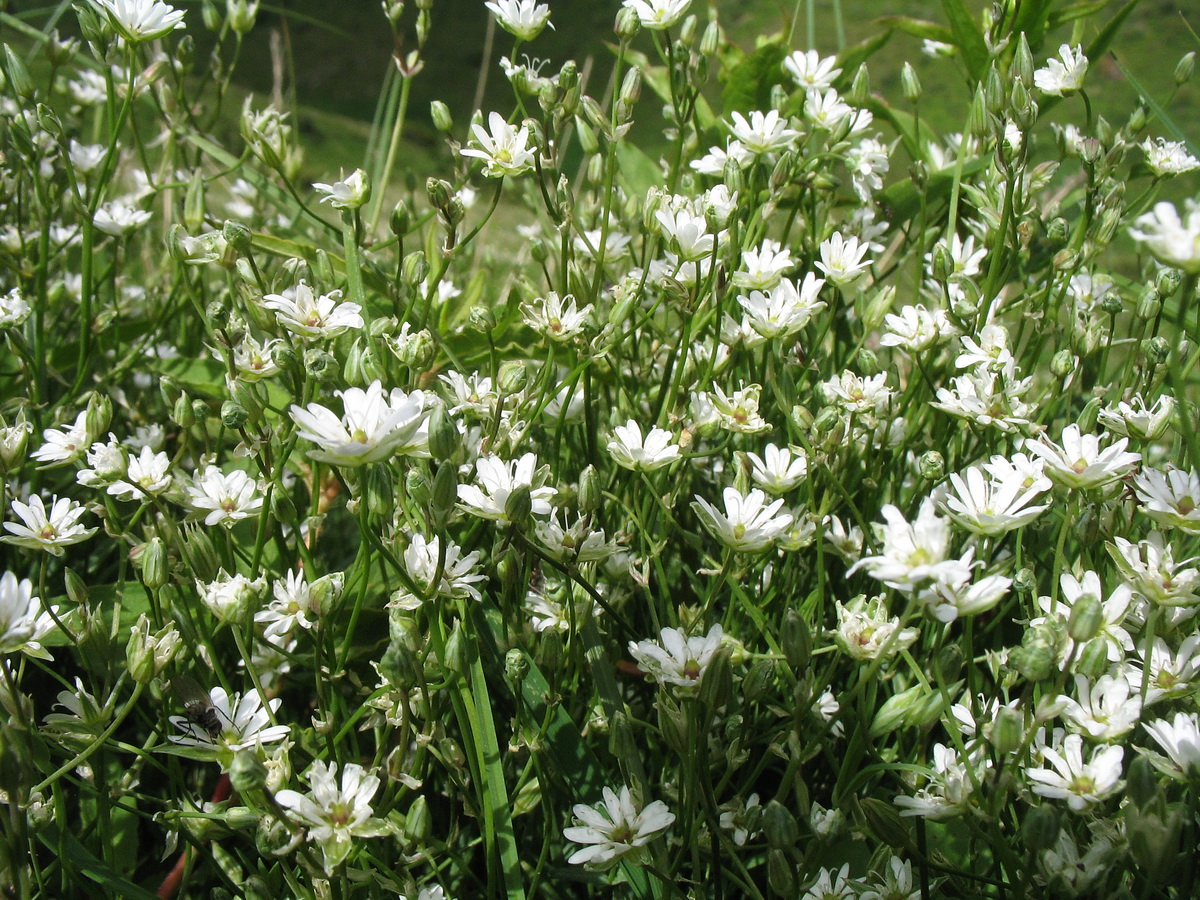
(313, 317)
(106, 463)
(916, 328)
(147, 475)
(763, 266)
(1063, 75)
(785, 308)
(556, 318)
(505, 151)
(845, 542)
(496, 482)
(842, 259)
(870, 397)
(986, 505)
(831, 884)
(437, 892)
(1079, 462)
(687, 232)
(1104, 710)
(50, 530)
(1171, 673)
(748, 524)
(1082, 784)
(577, 542)
(741, 817)
(895, 882)
(714, 161)
(1172, 241)
(763, 132)
(1180, 738)
(946, 601)
(23, 623)
(914, 553)
(226, 499)
(867, 161)
(987, 399)
(349, 193)
(1168, 157)
(13, 309)
(374, 426)
(630, 449)
(865, 630)
(141, 20)
(1068, 873)
(118, 218)
(336, 813)
(657, 15)
(85, 158)
(826, 109)
(1137, 420)
(1150, 568)
(64, 444)
(1171, 497)
(245, 725)
(524, 19)
(951, 784)
(473, 394)
(254, 361)
(738, 410)
(676, 658)
(1114, 609)
(615, 829)
(777, 471)
(455, 579)
(809, 70)
(990, 353)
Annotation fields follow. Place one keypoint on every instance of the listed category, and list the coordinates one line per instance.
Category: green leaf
(82, 861)
(902, 200)
(748, 85)
(855, 55)
(637, 171)
(1073, 12)
(1153, 105)
(921, 28)
(967, 37)
(1031, 19)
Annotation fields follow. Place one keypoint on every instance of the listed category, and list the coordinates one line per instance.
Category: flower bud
(198, 554)
(978, 121)
(459, 652)
(779, 826)
(860, 87)
(1153, 835)
(516, 667)
(283, 508)
(14, 442)
(321, 364)
(247, 772)
(795, 638)
(932, 466)
(193, 203)
(758, 680)
(418, 485)
(377, 490)
(1008, 730)
(672, 723)
(519, 505)
(1141, 781)
(415, 268)
(152, 559)
(1063, 363)
(233, 415)
(18, 74)
(1039, 828)
(183, 412)
(443, 495)
(98, 414)
(1022, 61)
(418, 823)
(1149, 304)
(513, 376)
(1093, 661)
(147, 655)
(885, 823)
(439, 192)
(1034, 659)
(440, 113)
(1157, 350)
(909, 83)
(627, 24)
(781, 874)
(1185, 67)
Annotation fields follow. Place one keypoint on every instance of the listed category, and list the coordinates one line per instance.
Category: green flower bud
(182, 412)
(758, 680)
(237, 236)
(233, 415)
(439, 192)
(1185, 67)
(587, 137)
(1008, 730)
(151, 558)
(519, 506)
(444, 439)
(460, 652)
(779, 826)
(781, 874)
(513, 376)
(672, 723)
(98, 414)
(246, 772)
(444, 495)
(1022, 62)
(716, 687)
(979, 123)
(910, 83)
(415, 268)
(283, 508)
(1093, 661)
(1149, 304)
(1157, 350)
(950, 661)
(860, 87)
(18, 75)
(77, 589)
(442, 120)
(591, 491)
(1153, 835)
(378, 490)
(628, 24)
(418, 824)
(932, 466)
(1141, 781)
(1058, 230)
(516, 667)
(1034, 661)
(148, 654)
(400, 665)
(418, 485)
(550, 650)
(886, 824)
(319, 363)
(795, 638)
(198, 554)
(210, 16)
(482, 320)
(1039, 828)
(1063, 363)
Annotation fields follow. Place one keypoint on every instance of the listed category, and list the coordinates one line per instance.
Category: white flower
(989, 354)
(826, 109)
(615, 829)
(748, 524)
(242, 724)
(22, 622)
(809, 70)
(505, 151)
(577, 543)
(522, 18)
(657, 15)
(50, 531)
(777, 471)
(688, 233)
(373, 427)
(141, 20)
(831, 885)
(334, 813)
(784, 309)
(350, 193)
(895, 883)
(947, 600)
(555, 318)
(86, 157)
(1137, 420)
(308, 316)
(738, 411)
(64, 444)
(1180, 738)
(865, 630)
(456, 578)
(764, 132)
(842, 259)
(231, 597)
(1170, 240)
(914, 553)
(228, 498)
(987, 399)
(631, 450)
(255, 361)
(951, 785)
(1079, 462)
(1169, 157)
(1065, 77)
(990, 505)
(762, 267)
(298, 603)
(1102, 711)
(107, 462)
(1171, 674)
(147, 475)
(676, 658)
(117, 218)
(1081, 784)
(13, 309)
(915, 328)
(1150, 568)
(498, 480)
(1170, 498)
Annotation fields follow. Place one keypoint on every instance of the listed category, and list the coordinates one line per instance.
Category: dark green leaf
(748, 85)
(967, 37)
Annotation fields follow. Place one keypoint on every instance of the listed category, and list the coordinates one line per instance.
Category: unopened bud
(148, 654)
(779, 826)
(796, 640)
(247, 772)
(909, 83)
(77, 589)
(1063, 363)
(1185, 67)
(418, 823)
(627, 24)
(1039, 829)
(1008, 730)
(1141, 782)
(591, 490)
(519, 505)
(932, 466)
(440, 113)
(1149, 304)
(1157, 350)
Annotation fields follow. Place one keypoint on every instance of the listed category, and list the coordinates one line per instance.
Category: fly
(198, 707)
